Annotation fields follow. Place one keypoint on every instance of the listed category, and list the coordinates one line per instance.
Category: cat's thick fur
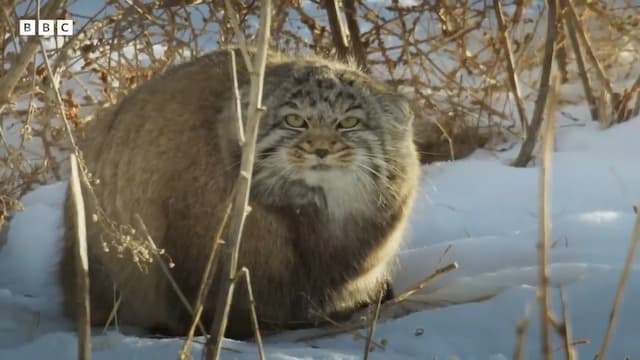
(325, 225)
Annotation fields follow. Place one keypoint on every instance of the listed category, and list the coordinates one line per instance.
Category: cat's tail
(31, 245)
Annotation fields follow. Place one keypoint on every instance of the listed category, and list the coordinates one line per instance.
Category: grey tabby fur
(330, 205)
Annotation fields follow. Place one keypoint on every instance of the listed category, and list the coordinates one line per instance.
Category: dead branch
(538, 113)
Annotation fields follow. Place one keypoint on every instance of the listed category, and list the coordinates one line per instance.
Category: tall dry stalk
(624, 277)
(82, 264)
(544, 214)
(543, 245)
(242, 187)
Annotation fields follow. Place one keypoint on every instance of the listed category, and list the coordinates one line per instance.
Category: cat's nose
(321, 153)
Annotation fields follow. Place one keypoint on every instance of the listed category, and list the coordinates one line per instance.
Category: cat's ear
(395, 107)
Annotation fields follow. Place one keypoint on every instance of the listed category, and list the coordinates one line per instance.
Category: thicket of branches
(471, 85)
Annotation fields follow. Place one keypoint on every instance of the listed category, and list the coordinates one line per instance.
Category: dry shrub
(446, 55)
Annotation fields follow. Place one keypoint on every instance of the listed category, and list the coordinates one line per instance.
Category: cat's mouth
(324, 165)
(321, 167)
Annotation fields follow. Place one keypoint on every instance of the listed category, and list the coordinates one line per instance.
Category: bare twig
(241, 198)
(511, 70)
(10, 79)
(386, 308)
(59, 102)
(242, 41)
(561, 52)
(337, 29)
(244, 272)
(372, 326)
(636, 108)
(565, 331)
(538, 113)
(421, 284)
(582, 68)
(605, 108)
(95, 25)
(445, 134)
(340, 327)
(236, 97)
(357, 46)
(624, 277)
(573, 18)
(82, 265)
(205, 284)
(521, 336)
(113, 315)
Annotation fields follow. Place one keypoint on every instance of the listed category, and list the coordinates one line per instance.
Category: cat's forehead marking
(323, 88)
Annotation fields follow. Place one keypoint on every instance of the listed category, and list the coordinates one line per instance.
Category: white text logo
(46, 27)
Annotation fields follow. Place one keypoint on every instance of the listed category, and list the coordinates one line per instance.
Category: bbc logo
(46, 27)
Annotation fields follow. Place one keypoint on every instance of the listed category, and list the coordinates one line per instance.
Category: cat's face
(327, 138)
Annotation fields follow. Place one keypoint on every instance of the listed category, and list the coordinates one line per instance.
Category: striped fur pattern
(355, 176)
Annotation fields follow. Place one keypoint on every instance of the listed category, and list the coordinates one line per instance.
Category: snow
(479, 212)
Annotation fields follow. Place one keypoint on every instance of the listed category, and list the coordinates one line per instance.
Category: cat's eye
(348, 123)
(295, 121)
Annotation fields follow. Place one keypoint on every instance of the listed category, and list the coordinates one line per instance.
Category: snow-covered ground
(479, 212)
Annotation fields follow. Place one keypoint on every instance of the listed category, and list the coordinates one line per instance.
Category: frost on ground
(478, 212)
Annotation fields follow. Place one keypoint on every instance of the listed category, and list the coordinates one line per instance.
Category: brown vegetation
(449, 56)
